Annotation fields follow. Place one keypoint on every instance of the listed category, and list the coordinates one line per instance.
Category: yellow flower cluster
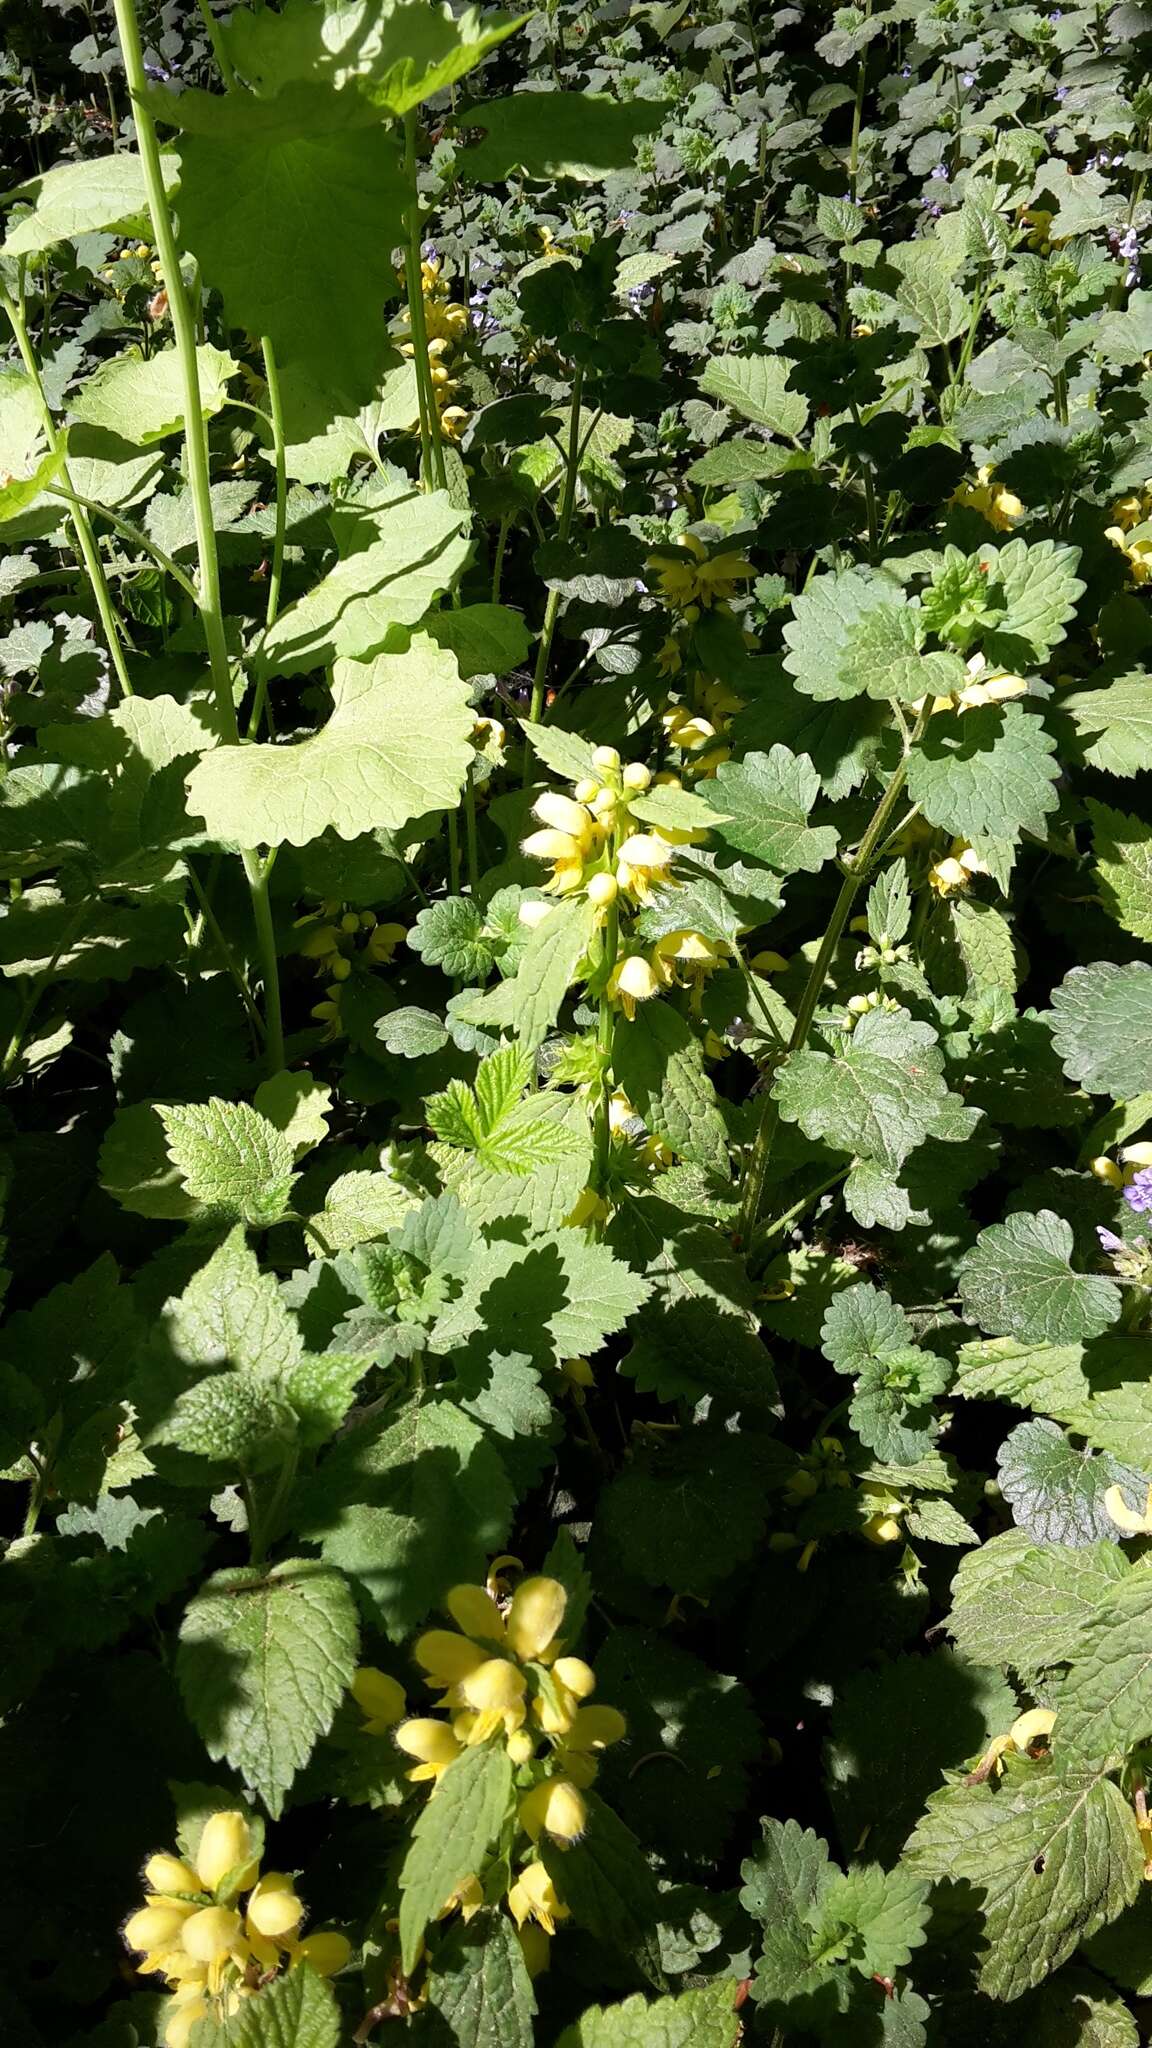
(333, 937)
(445, 324)
(698, 581)
(1137, 550)
(1027, 1729)
(699, 733)
(994, 501)
(1133, 1159)
(1133, 509)
(956, 870)
(986, 686)
(503, 1677)
(214, 1952)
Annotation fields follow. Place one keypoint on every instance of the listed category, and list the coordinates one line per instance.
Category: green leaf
(370, 766)
(359, 1207)
(395, 55)
(819, 634)
(988, 774)
(1027, 1605)
(264, 1661)
(408, 551)
(144, 401)
(889, 905)
(565, 753)
(1123, 847)
(528, 1003)
(408, 1505)
(604, 1880)
(684, 1518)
(27, 464)
(986, 944)
(658, 1061)
(559, 1297)
(451, 1838)
(767, 798)
(1105, 1702)
(1040, 587)
(1120, 718)
(232, 1159)
(105, 192)
(673, 810)
(296, 2010)
(578, 135)
(1056, 1492)
(881, 657)
(879, 1099)
(1100, 1017)
(688, 1349)
(297, 1105)
(487, 639)
(480, 1987)
(702, 2018)
(756, 388)
(1016, 1281)
(292, 208)
(232, 1419)
(411, 1034)
(1055, 1852)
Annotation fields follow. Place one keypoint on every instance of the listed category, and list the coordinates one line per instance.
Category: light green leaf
(755, 387)
(1046, 1377)
(395, 53)
(1104, 1705)
(296, 2010)
(143, 401)
(411, 1033)
(673, 810)
(372, 765)
(988, 774)
(163, 729)
(529, 1002)
(298, 1105)
(105, 192)
(1100, 1028)
(1120, 720)
(1123, 847)
(881, 658)
(451, 1838)
(232, 1159)
(1055, 1852)
(987, 946)
(1026, 1604)
(1040, 588)
(818, 635)
(410, 551)
(479, 1985)
(658, 1061)
(1016, 1281)
(879, 1099)
(27, 464)
(578, 135)
(265, 1658)
(361, 1206)
(701, 2018)
(565, 753)
(767, 798)
(926, 292)
(233, 1419)
(487, 639)
(889, 905)
(232, 1314)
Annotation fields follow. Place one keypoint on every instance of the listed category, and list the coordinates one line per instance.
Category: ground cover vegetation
(576, 1012)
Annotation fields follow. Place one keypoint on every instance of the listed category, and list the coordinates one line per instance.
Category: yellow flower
(566, 815)
(699, 580)
(432, 1743)
(556, 1807)
(994, 502)
(1106, 1169)
(1025, 1730)
(495, 1693)
(632, 981)
(382, 942)
(696, 956)
(534, 1617)
(596, 1728)
(226, 1848)
(1038, 220)
(602, 890)
(156, 1928)
(533, 1896)
(170, 1874)
(273, 1908)
(1131, 510)
(380, 1697)
(326, 1952)
(1137, 1155)
(1129, 1519)
(535, 1947)
(643, 859)
(475, 1611)
(211, 1934)
(467, 1899)
(1138, 552)
(956, 870)
(995, 688)
(445, 1656)
(589, 1207)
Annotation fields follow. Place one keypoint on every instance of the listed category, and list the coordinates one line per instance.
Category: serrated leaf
(1055, 1852)
(818, 635)
(479, 1985)
(559, 1297)
(1120, 718)
(264, 1661)
(988, 774)
(1123, 848)
(528, 1003)
(143, 401)
(565, 753)
(701, 2018)
(881, 657)
(450, 1840)
(232, 1159)
(879, 1099)
(233, 1419)
(1040, 587)
(1105, 1702)
(1100, 1028)
(1024, 1604)
(370, 766)
(1056, 1491)
(658, 1061)
(605, 1881)
(296, 2010)
(674, 810)
(688, 1349)
(1016, 1281)
(763, 804)
(450, 934)
(889, 905)
(298, 1105)
(71, 199)
(755, 387)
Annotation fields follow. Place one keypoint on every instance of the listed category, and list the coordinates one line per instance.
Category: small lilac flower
(1139, 1194)
(933, 211)
(1109, 1239)
(940, 173)
(967, 78)
(1061, 92)
(1057, 14)
(905, 71)
(430, 253)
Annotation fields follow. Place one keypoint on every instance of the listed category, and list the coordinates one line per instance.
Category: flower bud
(602, 890)
(156, 1927)
(535, 1616)
(225, 1846)
(208, 1936)
(1106, 1169)
(557, 1807)
(325, 1952)
(495, 1684)
(163, 1873)
(561, 812)
(431, 1742)
(587, 791)
(578, 1676)
(605, 757)
(637, 775)
(274, 1909)
(553, 845)
(520, 1746)
(1037, 1721)
(1137, 1155)
(378, 1695)
(475, 1611)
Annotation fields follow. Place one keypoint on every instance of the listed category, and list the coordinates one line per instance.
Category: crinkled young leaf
(232, 1158)
(450, 934)
(1016, 1281)
(143, 401)
(233, 1419)
(764, 802)
(986, 774)
(265, 1658)
(756, 388)
(1100, 1027)
(658, 1061)
(451, 1837)
(1055, 1852)
(371, 765)
(528, 1003)
(1056, 1491)
(880, 1098)
(479, 1985)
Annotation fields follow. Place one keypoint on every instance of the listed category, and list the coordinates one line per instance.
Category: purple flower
(429, 252)
(1139, 1194)
(905, 71)
(1109, 1239)
(933, 211)
(1057, 14)
(1061, 92)
(967, 78)
(941, 173)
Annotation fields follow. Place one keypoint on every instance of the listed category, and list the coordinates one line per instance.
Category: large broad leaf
(1054, 1850)
(1058, 1491)
(143, 401)
(1100, 1028)
(1105, 1703)
(819, 634)
(755, 387)
(988, 774)
(409, 550)
(1026, 1604)
(1123, 847)
(293, 207)
(1117, 723)
(879, 1099)
(374, 764)
(556, 135)
(451, 1839)
(1016, 1281)
(659, 1063)
(480, 1986)
(559, 1297)
(395, 54)
(231, 1157)
(80, 199)
(265, 1659)
(701, 2018)
(767, 798)
(27, 463)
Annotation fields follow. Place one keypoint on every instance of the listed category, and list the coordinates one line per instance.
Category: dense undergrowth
(576, 1397)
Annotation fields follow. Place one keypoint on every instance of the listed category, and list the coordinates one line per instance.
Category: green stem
(431, 447)
(226, 954)
(453, 855)
(272, 378)
(258, 872)
(183, 329)
(567, 506)
(787, 1216)
(470, 830)
(498, 564)
(264, 1526)
(605, 1037)
(85, 540)
(855, 875)
(125, 528)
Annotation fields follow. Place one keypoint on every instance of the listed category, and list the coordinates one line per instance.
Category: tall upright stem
(567, 505)
(276, 409)
(605, 1036)
(855, 875)
(81, 525)
(431, 446)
